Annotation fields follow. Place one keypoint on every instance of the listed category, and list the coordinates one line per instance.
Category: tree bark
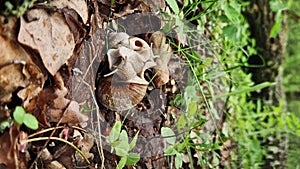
(270, 55)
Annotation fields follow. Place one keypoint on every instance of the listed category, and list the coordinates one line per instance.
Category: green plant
(18, 9)
(5, 124)
(119, 143)
(21, 117)
(277, 6)
(229, 35)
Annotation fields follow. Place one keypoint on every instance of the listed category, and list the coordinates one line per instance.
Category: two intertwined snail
(125, 86)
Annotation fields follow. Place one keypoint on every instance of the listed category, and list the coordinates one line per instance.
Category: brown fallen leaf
(17, 69)
(70, 115)
(55, 165)
(49, 35)
(65, 156)
(36, 82)
(8, 148)
(51, 105)
(85, 144)
(156, 4)
(79, 6)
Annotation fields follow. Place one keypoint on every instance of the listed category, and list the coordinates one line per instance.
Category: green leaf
(9, 6)
(123, 136)
(122, 162)
(170, 151)
(208, 61)
(30, 121)
(192, 108)
(122, 149)
(181, 121)
(169, 135)
(276, 29)
(230, 32)
(115, 132)
(5, 124)
(19, 114)
(173, 5)
(132, 159)
(116, 143)
(249, 89)
(178, 160)
(231, 12)
(133, 142)
(277, 5)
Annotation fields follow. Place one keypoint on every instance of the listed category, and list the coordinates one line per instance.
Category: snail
(125, 86)
(164, 51)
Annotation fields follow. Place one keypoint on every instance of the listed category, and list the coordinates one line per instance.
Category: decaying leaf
(156, 4)
(85, 144)
(55, 165)
(70, 115)
(51, 105)
(8, 148)
(49, 34)
(78, 5)
(36, 83)
(17, 71)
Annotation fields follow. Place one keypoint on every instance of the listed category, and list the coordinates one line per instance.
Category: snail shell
(125, 86)
(119, 96)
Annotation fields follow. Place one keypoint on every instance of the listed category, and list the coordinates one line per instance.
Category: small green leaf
(178, 160)
(30, 121)
(192, 108)
(276, 29)
(181, 121)
(123, 136)
(122, 162)
(9, 6)
(277, 6)
(133, 142)
(122, 149)
(115, 143)
(19, 114)
(5, 124)
(230, 32)
(170, 151)
(231, 12)
(208, 61)
(173, 5)
(115, 132)
(169, 135)
(132, 159)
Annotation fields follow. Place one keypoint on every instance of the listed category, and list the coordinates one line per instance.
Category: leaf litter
(50, 64)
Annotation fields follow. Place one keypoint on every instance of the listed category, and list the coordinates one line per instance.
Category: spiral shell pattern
(119, 96)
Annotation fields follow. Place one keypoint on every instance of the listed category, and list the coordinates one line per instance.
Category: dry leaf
(85, 145)
(55, 165)
(78, 5)
(51, 105)
(8, 148)
(70, 115)
(50, 35)
(17, 70)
